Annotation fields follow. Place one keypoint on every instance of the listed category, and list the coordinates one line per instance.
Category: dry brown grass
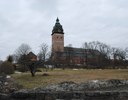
(57, 76)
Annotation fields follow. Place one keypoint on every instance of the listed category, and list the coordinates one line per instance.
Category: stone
(91, 90)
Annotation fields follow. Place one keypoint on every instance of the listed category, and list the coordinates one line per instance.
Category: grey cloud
(31, 21)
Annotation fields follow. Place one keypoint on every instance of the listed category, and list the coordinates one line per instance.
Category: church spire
(57, 28)
(57, 20)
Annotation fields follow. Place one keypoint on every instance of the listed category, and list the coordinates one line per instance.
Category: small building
(32, 56)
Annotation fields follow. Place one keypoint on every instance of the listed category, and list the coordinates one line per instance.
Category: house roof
(31, 54)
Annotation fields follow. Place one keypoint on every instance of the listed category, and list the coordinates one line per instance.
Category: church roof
(80, 52)
(57, 28)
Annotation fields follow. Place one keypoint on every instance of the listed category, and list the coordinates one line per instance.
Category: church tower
(57, 37)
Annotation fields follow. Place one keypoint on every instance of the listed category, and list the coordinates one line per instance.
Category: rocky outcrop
(93, 85)
(91, 90)
(7, 84)
(71, 95)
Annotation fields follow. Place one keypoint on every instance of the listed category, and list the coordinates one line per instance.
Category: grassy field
(59, 75)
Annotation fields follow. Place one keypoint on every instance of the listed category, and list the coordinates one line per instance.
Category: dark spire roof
(57, 20)
(57, 28)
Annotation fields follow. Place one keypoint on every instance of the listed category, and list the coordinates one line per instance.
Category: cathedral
(69, 55)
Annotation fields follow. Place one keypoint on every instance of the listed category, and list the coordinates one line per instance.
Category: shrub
(7, 68)
(10, 58)
(22, 68)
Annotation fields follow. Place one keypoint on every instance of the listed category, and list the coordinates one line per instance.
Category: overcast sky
(32, 21)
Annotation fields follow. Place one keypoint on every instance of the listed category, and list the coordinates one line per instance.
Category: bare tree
(85, 53)
(122, 54)
(93, 45)
(23, 49)
(104, 56)
(99, 50)
(94, 52)
(119, 56)
(20, 55)
(126, 60)
(44, 53)
(126, 51)
(113, 53)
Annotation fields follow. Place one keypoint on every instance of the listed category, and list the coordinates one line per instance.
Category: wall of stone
(91, 90)
(99, 95)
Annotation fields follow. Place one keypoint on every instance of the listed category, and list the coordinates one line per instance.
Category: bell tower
(57, 37)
